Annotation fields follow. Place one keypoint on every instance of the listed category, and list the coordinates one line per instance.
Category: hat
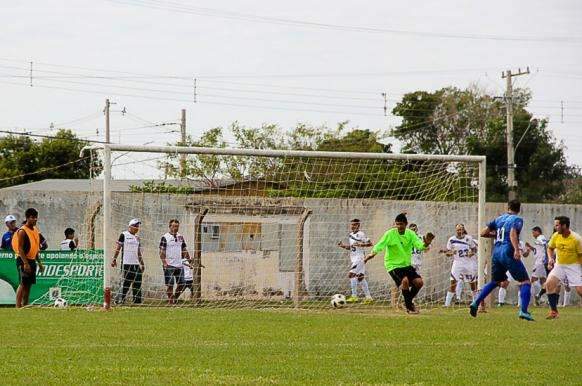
(134, 222)
(9, 218)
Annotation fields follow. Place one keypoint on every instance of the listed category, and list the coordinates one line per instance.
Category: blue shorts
(502, 264)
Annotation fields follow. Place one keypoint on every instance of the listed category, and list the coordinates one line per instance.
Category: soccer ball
(60, 303)
(338, 301)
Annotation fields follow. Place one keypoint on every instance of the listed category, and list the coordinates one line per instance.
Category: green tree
(453, 121)
(23, 159)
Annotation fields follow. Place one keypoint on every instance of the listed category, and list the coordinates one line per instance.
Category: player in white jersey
(416, 254)
(129, 244)
(503, 285)
(172, 251)
(357, 241)
(463, 249)
(70, 242)
(539, 272)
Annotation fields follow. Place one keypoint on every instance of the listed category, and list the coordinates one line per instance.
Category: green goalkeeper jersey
(398, 248)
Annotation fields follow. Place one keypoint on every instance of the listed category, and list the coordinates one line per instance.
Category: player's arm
(343, 245)
(514, 238)
(118, 245)
(487, 232)
(380, 245)
(140, 257)
(448, 250)
(163, 246)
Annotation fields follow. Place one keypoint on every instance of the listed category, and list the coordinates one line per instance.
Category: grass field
(154, 346)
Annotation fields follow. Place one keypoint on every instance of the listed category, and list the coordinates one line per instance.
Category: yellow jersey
(568, 249)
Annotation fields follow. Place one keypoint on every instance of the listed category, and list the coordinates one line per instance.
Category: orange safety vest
(33, 238)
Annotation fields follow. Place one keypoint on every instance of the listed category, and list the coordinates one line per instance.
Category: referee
(132, 265)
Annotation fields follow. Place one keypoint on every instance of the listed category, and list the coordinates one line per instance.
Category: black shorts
(398, 274)
(173, 274)
(27, 279)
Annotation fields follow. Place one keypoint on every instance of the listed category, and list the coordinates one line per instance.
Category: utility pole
(107, 130)
(183, 136)
(511, 182)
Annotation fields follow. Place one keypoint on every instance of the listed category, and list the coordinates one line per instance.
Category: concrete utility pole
(511, 182)
(106, 111)
(183, 139)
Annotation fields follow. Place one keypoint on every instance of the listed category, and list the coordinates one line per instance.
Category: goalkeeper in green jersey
(397, 244)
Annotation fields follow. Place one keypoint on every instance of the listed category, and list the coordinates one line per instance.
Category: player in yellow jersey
(567, 245)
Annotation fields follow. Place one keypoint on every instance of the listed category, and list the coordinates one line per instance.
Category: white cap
(134, 222)
(9, 218)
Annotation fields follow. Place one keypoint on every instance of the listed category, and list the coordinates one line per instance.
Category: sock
(354, 285)
(537, 287)
(364, 284)
(449, 298)
(501, 295)
(567, 295)
(459, 290)
(408, 299)
(525, 296)
(485, 291)
(553, 300)
(519, 297)
(414, 291)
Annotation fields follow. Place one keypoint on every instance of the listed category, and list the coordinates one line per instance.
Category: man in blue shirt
(10, 222)
(506, 258)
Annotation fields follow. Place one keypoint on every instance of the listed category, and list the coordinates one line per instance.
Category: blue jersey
(7, 240)
(503, 225)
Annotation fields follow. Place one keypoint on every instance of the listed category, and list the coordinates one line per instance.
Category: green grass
(154, 346)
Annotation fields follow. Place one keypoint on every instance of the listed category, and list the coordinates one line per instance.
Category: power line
(174, 6)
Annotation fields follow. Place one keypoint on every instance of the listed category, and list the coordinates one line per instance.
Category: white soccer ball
(338, 301)
(60, 303)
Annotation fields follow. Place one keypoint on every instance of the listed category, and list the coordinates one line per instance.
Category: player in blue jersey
(506, 258)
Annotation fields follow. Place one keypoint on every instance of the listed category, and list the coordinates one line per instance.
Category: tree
(25, 160)
(453, 121)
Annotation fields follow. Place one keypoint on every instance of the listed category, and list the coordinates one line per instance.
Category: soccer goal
(265, 228)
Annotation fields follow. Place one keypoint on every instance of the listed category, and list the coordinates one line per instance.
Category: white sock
(449, 298)
(519, 297)
(354, 285)
(364, 284)
(537, 287)
(501, 295)
(459, 290)
(567, 295)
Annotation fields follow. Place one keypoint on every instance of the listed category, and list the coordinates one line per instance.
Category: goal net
(259, 228)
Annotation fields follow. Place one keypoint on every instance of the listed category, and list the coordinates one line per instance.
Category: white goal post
(477, 162)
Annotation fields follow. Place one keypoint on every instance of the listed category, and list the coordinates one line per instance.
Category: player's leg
(501, 296)
(573, 279)
(498, 275)
(415, 284)
(364, 284)
(353, 298)
(179, 277)
(552, 287)
(567, 295)
(169, 283)
(127, 279)
(136, 287)
(460, 287)
(401, 281)
(455, 278)
(473, 285)
(518, 271)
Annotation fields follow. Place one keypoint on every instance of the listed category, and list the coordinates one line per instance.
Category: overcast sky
(253, 67)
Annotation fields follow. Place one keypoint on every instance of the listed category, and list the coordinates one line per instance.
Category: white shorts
(568, 274)
(358, 268)
(464, 271)
(539, 271)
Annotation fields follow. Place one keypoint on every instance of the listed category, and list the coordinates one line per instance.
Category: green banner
(76, 276)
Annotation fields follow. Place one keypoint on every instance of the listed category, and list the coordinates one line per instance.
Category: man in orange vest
(26, 244)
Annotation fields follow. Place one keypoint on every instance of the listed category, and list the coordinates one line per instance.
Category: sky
(274, 62)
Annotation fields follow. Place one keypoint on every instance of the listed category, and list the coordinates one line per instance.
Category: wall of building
(255, 251)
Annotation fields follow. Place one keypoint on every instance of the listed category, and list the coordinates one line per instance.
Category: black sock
(553, 300)
(542, 291)
(414, 291)
(408, 299)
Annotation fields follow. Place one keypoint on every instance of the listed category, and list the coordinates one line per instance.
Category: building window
(215, 232)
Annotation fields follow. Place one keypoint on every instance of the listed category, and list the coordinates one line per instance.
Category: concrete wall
(260, 264)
